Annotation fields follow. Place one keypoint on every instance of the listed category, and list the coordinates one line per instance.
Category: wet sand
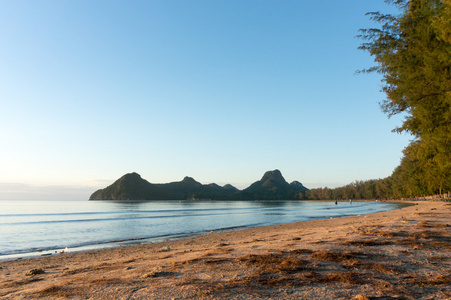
(400, 254)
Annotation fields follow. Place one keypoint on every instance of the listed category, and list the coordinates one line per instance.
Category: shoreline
(35, 252)
(397, 253)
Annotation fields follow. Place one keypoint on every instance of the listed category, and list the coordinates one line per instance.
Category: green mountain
(273, 186)
(132, 187)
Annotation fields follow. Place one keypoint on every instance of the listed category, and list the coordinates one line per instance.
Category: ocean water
(32, 228)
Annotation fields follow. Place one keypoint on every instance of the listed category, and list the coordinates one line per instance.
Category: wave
(118, 242)
(129, 216)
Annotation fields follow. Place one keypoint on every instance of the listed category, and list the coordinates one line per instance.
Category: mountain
(231, 187)
(273, 186)
(132, 187)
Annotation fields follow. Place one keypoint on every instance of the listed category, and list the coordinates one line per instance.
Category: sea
(41, 228)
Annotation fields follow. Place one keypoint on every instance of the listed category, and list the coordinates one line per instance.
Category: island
(131, 186)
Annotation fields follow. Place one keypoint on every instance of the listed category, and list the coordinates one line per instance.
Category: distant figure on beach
(350, 201)
(336, 202)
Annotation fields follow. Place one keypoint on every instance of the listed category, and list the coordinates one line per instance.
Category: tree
(413, 53)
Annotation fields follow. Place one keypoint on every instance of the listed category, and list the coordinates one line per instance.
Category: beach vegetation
(55, 291)
(412, 52)
(35, 272)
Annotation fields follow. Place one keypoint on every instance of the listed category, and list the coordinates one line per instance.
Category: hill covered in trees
(132, 187)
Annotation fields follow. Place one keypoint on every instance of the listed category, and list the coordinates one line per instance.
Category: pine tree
(413, 53)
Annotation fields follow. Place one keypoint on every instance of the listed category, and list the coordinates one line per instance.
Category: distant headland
(131, 186)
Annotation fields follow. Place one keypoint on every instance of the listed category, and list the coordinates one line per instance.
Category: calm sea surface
(29, 228)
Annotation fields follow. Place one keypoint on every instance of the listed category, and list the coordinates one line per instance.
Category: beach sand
(400, 254)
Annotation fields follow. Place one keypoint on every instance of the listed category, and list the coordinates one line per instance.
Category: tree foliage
(413, 54)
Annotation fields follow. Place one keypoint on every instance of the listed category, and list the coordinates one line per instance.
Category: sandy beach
(400, 254)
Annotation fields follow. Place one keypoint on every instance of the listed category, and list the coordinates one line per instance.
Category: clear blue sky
(221, 91)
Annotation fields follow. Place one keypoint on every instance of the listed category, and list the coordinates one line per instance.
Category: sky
(218, 90)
